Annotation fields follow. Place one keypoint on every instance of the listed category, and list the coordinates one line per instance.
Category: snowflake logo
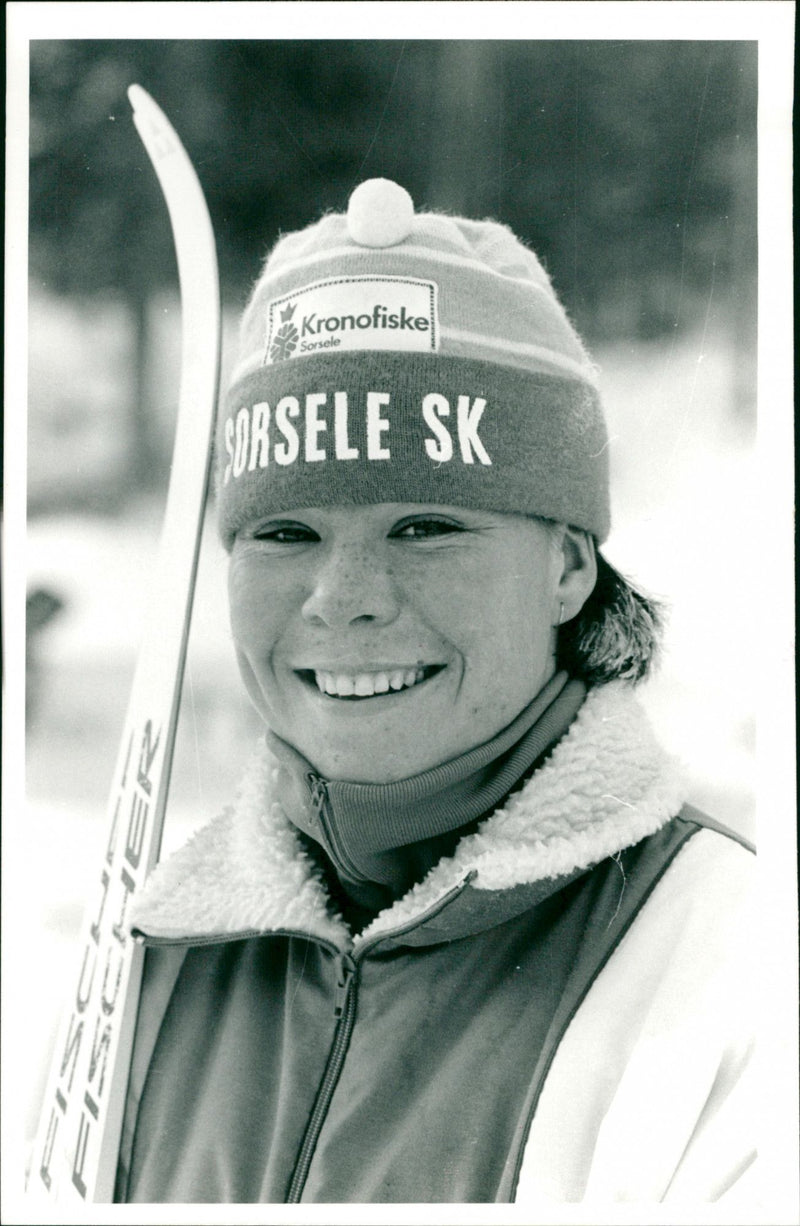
(284, 342)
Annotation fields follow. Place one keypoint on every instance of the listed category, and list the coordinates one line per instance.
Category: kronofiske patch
(353, 313)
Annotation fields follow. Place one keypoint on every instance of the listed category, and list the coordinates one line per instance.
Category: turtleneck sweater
(373, 842)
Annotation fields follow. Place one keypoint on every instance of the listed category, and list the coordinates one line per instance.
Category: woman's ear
(578, 576)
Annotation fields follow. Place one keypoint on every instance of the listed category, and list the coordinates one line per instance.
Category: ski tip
(136, 95)
(151, 123)
(143, 105)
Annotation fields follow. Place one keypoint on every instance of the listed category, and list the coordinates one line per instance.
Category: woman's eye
(285, 533)
(425, 529)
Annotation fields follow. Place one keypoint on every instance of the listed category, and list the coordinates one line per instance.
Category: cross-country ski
(78, 1137)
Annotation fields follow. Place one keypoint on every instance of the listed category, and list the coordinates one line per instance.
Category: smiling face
(383, 640)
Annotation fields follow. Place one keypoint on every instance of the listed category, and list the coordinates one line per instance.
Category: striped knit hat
(388, 356)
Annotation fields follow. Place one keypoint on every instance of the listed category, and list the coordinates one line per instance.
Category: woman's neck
(374, 841)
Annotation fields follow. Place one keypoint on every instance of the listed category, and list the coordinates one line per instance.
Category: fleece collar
(607, 785)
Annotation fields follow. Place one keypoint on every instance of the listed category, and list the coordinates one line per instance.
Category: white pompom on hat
(394, 356)
(380, 214)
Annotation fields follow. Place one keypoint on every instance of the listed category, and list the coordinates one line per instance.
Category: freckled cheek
(502, 639)
(258, 608)
(444, 601)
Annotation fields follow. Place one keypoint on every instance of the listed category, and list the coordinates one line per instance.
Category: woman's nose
(352, 586)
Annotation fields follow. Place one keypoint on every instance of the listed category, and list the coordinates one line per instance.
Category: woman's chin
(370, 738)
(371, 755)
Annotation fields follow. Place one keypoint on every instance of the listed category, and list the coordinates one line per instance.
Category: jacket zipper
(345, 1013)
(320, 802)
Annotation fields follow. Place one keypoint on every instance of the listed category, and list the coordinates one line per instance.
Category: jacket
(558, 1012)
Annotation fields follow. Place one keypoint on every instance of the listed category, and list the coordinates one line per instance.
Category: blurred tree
(466, 156)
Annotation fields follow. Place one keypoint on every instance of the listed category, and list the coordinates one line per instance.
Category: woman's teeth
(365, 685)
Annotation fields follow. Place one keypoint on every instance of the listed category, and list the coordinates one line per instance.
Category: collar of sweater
(606, 785)
(368, 830)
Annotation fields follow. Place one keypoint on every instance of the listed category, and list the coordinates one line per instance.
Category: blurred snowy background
(631, 169)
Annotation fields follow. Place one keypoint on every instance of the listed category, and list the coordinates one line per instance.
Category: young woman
(460, 938)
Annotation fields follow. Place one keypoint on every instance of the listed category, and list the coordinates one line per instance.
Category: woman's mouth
(370, 683)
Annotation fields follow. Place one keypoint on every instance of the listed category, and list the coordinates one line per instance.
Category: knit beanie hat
(394, 356)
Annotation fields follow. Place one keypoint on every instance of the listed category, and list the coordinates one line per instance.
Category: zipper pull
(345, 971)
(319, 792)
